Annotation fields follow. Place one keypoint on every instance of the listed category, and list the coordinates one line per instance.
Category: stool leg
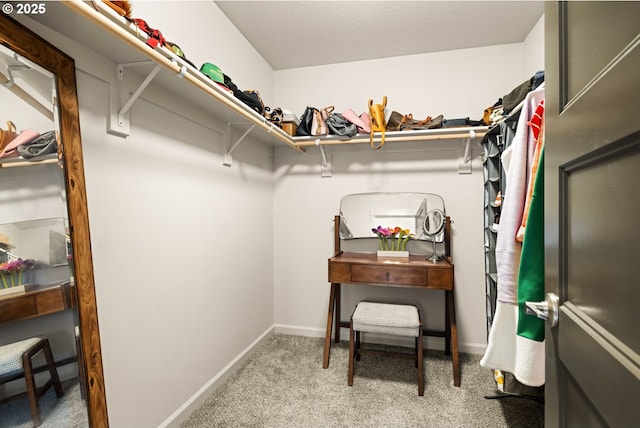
(31, 389)
(420, 363)
(351, 354)
(53, 372)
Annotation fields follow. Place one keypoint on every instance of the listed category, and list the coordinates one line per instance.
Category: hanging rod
(12, 86)
(397, 136)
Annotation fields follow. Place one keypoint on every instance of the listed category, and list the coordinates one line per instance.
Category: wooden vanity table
(35, 303)
(417, 271)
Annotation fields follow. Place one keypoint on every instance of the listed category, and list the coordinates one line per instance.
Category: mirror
(432, 226)
(361, 212)
(44, 218)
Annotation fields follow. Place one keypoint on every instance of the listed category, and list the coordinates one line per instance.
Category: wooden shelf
(96, 26)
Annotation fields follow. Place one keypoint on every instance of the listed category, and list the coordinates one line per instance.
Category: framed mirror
(362, 212)
(38, 90)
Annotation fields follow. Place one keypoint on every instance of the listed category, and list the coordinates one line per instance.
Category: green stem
(4, 281)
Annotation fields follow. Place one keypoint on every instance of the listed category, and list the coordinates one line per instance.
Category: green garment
(531, 273)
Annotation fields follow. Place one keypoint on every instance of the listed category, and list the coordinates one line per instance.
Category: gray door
(592, 213)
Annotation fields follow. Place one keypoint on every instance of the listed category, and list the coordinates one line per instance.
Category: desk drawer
(441, 279)
(339, 272)
(50, 301)
(17, 308)
(401, 275)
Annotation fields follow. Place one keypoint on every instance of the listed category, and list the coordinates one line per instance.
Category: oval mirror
(433, 223)
(432, 227)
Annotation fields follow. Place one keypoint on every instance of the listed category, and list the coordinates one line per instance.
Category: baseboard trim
(435, 343)
(193, 403)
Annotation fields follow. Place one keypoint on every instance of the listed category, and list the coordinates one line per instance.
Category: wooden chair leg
(351, 354)
(53, 372)
(31, 388)
(420, 364)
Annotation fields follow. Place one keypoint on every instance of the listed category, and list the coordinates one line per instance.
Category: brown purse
(378, 123)
(8, 135)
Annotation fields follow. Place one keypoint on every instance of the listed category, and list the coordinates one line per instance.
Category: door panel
(591, 43)
(592, 201)
(601, 216)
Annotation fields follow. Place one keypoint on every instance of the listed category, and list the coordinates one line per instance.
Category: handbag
(275, 116)
(306, 120)
(338, 125)
(377, 121)
(319, 125)
(40, 146)
(8, 135)
(25, 137)
(361, 122)
(396, 121)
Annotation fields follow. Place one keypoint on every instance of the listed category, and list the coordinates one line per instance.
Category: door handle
(546, 310)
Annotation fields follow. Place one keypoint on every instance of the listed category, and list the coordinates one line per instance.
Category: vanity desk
(35, 303)
(415, 272)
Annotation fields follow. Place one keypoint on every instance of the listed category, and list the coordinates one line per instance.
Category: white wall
(182, 246)
(534, 47)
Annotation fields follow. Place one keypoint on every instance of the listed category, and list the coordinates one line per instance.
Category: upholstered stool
(16, 361)
(388, 319)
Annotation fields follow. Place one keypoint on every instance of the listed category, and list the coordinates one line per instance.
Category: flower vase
(11, 283)
(393, 254)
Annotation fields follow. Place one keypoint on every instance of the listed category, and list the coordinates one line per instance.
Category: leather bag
(378, 122)
(7, 135)
(306, 121)
(39, 147)
(338, 125)
(319, 125)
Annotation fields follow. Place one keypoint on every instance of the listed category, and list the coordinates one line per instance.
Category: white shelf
(116, 39)
(96, 26)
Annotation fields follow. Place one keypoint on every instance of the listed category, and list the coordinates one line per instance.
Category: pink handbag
(11, 149)
(362, 121)
(319, 123)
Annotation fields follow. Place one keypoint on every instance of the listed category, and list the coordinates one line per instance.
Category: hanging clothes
(531, 273)
(506, 350)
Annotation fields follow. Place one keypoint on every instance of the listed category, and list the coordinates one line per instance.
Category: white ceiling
(291, 34)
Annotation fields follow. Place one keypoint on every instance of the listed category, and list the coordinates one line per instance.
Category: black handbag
(250, 98)
(338, 125)
(306, 120)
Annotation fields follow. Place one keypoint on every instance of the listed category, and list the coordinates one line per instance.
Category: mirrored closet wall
(44, 222)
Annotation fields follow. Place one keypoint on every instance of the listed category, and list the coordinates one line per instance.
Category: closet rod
(390, 138)
(17, 90)
(132, 40)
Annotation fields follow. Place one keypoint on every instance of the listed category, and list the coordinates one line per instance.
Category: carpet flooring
(68, 411)
(284, 385)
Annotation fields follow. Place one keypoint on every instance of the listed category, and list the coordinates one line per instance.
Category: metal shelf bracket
(119, 118)
(464, 156)
(228, 160)
(325, 166)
